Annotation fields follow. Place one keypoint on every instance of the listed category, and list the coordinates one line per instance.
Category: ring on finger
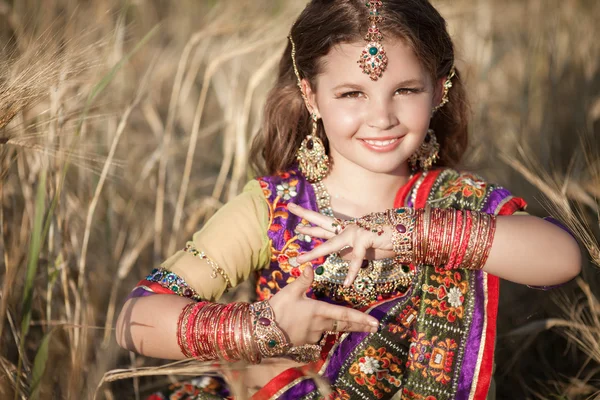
(337, 225)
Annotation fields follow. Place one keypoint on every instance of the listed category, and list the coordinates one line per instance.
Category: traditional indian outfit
(437, 334)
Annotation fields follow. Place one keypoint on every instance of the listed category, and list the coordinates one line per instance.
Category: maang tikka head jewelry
(373, 60)
(311, 156)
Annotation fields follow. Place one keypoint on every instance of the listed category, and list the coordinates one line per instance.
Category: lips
(382, 144)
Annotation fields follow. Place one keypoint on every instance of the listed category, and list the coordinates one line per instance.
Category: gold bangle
(475, 227)
(403, 229)
(270, 339)
(216, 269)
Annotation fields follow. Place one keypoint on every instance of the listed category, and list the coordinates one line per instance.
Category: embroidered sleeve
(233, 243)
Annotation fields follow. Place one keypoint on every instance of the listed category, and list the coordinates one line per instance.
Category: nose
(381, 115)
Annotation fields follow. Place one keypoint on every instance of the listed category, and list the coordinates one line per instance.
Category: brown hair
(326, 23)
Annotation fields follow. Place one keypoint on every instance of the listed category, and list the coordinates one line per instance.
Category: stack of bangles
(241, 331)
(236, 331)
(434, 236)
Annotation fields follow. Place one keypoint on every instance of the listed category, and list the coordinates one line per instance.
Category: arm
(148, 323)
(532, 251)
(525, 249)
(235, 238)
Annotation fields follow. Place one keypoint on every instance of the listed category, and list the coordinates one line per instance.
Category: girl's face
(376, 125)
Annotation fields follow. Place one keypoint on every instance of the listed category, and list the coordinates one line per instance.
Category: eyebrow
(353, 86)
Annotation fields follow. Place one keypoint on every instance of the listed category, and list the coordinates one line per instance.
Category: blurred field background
(124, 125)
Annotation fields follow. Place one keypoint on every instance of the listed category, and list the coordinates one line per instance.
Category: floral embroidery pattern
(404, 321)
(409, 395)
(461, 190)
(377, 370)
(433, 357)
(467, 185)
(284, 265)
(446, 300)
(338, 394)
(287, 190)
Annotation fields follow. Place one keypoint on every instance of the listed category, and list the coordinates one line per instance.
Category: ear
(310, 97)
(438, 91)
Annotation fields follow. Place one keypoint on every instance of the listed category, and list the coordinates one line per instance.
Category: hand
(352, 243)
(305, 320)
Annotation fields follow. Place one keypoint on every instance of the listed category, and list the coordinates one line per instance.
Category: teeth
(380, 143)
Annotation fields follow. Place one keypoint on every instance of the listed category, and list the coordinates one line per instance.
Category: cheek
(340, 120)
(415, 114)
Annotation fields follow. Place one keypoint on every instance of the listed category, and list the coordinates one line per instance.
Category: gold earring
(311, 156)
(427, 154)
(447, 87)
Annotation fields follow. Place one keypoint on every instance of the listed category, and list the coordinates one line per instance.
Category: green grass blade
(39, 366)
(35, 246)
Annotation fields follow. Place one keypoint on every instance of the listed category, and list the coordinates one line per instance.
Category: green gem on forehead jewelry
(373, 50)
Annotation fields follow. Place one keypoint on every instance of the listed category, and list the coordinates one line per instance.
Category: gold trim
(289, 386)
(502, 203)
(483, 337)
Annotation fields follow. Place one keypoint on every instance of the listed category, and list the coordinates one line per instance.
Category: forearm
(148, 325)
(531, 251)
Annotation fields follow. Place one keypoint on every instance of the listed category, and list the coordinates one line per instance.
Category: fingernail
(374, 323)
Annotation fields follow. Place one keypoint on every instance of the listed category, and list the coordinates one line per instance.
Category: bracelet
(182, 330)
(270, 339)
(211, 331)
(403, 224)
(216, 269)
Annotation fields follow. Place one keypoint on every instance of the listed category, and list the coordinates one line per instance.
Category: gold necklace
(377, 277)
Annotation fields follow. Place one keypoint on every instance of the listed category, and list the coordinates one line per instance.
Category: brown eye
(352, 95)
(405, 91)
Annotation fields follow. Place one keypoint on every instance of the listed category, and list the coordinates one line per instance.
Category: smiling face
(374, 125)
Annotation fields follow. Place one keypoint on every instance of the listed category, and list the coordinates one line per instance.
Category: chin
(384, 167)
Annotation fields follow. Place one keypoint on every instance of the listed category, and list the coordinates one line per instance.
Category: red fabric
(155, 287)
(493, 289)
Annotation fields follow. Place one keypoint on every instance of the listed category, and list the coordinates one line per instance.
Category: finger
(330, 325)
(358, 256)
(315, 231)
(331, 246)
(304, 281)
(346, 315)
(313, 217)
(354, 327)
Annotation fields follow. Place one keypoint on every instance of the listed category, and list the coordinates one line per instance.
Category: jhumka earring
(447, 86)
(312, 156)
(428, 153)
(373, 60)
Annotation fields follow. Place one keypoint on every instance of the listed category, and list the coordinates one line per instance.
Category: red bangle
(465, 237)
(457, 224)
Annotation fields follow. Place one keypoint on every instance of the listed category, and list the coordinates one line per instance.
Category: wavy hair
(326, 23)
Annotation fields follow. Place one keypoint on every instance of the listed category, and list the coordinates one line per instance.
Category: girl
(377, 263)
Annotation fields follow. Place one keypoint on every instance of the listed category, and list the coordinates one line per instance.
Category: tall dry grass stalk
(116, 145)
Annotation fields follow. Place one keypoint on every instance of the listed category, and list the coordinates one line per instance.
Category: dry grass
(114, 149)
